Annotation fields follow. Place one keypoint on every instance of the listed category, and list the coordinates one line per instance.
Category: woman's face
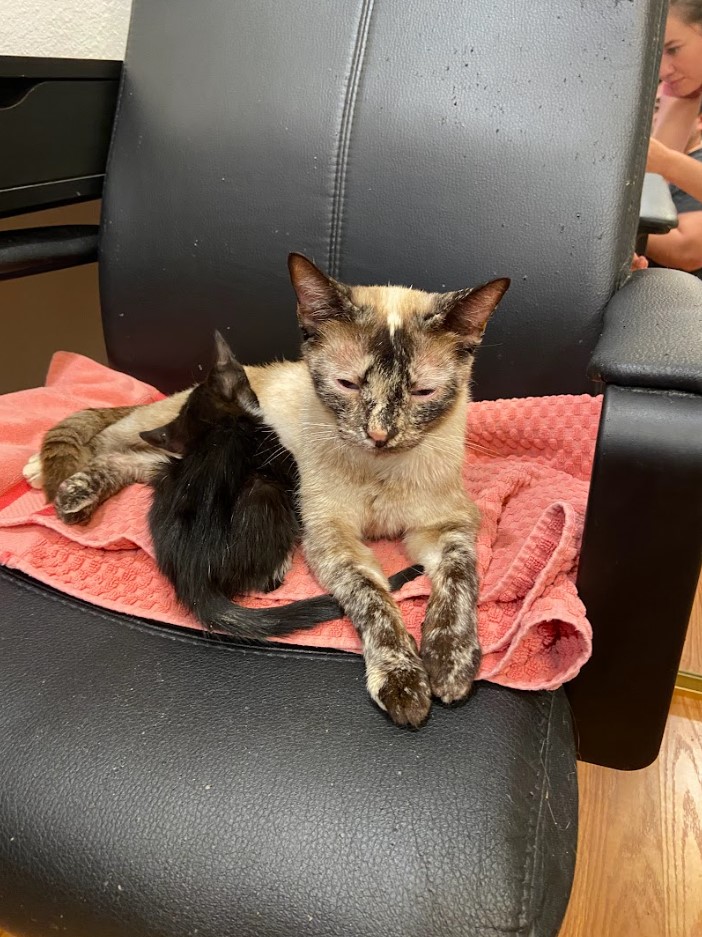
(681, 65)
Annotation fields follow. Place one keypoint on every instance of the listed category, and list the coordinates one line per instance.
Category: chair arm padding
(652, 334)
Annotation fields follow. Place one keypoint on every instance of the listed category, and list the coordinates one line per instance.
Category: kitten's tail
(259, 624)
(217, 613)
(66, 446)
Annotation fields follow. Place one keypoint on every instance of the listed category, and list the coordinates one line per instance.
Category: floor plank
(692, 654)
(680, 772)
(639, 867)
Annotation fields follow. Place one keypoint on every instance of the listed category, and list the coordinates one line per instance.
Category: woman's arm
(683, 171)
(680, 248)
(675, 120)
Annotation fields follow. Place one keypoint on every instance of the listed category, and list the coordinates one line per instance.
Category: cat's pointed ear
(165, 437)
(319, 298)
(466, 312)
(228, 378)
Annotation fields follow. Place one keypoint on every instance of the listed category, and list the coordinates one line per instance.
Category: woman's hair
(688, 10)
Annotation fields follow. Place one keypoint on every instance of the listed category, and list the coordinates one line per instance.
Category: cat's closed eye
(423, 391)
(346, 384)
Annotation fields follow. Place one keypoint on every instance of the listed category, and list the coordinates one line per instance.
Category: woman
(682, 247)
(681, 92)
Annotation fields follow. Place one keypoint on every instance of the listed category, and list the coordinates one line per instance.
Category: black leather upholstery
(156, 785)
(439, 144)
(639, 568)
(652, 333)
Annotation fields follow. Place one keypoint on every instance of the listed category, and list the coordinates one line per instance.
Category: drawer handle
(14, 90)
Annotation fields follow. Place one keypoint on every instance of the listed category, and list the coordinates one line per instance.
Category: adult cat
(375, 416)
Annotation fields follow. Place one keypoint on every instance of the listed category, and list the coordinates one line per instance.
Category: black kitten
(223, 518)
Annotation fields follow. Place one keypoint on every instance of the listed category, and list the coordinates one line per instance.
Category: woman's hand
(658, 157)
(677, 169)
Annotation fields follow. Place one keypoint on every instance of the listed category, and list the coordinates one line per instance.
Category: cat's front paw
(452, 660)
(32, 471)
(398, 683)
(76, 499)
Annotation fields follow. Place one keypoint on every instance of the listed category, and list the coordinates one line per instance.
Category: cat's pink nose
(378, 435)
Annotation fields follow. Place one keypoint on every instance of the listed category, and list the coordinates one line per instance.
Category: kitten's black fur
(223, 518)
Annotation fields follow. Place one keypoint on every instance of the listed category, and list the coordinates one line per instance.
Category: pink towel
(528, 466)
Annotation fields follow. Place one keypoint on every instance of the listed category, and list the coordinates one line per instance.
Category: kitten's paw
(452, 661)
(76, 499)
(32, 471)
(398, 683)
(274, 580)
(280, 573)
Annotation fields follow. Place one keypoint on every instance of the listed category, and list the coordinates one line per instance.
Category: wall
(49, 312)
(91, 29)
(58, 310)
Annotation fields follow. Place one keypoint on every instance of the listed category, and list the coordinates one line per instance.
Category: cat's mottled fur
(375, 416)
(79, 470)
(68, 446)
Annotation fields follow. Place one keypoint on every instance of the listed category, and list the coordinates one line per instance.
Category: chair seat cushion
(155, 782)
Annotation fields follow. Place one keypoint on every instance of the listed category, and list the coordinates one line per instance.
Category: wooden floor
(639, 866)
(692, 655)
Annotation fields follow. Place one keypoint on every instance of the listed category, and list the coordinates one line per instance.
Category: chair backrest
(437, 144)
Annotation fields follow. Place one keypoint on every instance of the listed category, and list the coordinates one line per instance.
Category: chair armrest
(657, 214)
(652, 335)
(642, 542)
(27, 251)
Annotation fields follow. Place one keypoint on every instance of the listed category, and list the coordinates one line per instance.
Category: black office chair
(155, 783)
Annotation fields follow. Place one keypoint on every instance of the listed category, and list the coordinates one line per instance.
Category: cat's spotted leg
(79, 496)
(395, 675)
(69, 445)
(450, 648)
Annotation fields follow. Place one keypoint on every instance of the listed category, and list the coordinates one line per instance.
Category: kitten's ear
(319, 298)
(466, 312)
(165, 437)
(228, 378)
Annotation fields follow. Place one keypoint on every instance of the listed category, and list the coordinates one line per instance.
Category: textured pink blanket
(527, 466)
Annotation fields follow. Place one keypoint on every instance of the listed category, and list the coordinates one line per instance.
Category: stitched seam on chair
(162, 630)
(535, 821)
(346, 125)
(659, 29)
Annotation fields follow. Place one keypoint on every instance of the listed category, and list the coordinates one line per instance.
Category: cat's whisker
(438, 446)
(271, 455)
(279, 452)
(320, 431)
(476, 447)
(325, 425)
(311, 435)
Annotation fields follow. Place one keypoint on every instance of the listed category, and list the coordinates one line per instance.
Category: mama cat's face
(388, 362)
